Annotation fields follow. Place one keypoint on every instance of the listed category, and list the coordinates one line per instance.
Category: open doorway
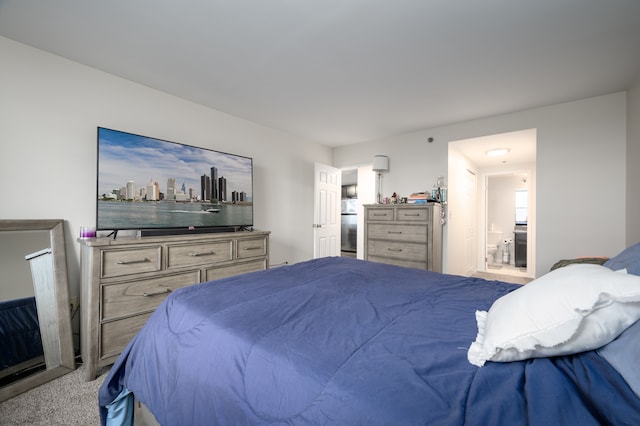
(349, 213)
(506, 223)
(493, 216)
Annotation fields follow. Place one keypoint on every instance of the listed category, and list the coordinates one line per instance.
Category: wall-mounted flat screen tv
(159, 186)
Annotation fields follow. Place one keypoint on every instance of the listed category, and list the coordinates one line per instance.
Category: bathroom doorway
(476, 156)
(507, 222)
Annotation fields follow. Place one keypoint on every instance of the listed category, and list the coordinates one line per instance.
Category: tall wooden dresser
(404, 235)
(124, 281)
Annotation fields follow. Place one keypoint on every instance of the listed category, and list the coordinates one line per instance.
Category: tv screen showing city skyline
(137, 172)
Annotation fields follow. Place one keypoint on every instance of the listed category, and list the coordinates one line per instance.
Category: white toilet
(494, 238)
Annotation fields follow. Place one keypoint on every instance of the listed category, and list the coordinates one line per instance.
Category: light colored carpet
(68, 401)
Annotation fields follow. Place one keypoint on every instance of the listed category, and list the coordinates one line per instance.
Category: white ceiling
(521, 146)
(346, 71)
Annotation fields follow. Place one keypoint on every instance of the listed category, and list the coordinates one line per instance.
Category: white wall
(581, 171)
(633, 164)
(366, 195)
(462, 212)
(50, 108)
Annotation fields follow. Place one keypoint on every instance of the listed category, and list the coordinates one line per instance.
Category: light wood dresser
(404, 235)
(124, 281)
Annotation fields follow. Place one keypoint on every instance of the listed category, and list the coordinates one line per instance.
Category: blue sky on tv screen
(124, 157)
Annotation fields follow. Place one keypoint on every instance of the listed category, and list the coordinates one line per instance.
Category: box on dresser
(404, 234)
(124, 280)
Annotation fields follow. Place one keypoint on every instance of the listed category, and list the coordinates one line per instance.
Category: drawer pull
(206, 253)
(253, 248)
(129, 262)
(394, 249)
(394, 232)
(380, 214)
(412, 214)
(156, 293)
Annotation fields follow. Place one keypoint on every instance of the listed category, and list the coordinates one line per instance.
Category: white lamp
(380, 165)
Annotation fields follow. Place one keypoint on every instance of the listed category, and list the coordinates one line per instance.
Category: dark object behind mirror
(34, 265)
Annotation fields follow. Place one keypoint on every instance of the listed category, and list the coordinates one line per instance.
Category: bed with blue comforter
(339, 341)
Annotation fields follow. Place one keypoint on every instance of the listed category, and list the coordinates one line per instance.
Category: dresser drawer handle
(412, 214)
(394, 249)
(156, 293)
(394, 232)
(253, 248)
(381, 214)
(206, 253)
(129, 262)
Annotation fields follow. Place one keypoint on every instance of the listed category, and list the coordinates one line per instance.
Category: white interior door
(326, 216)
(471, 232)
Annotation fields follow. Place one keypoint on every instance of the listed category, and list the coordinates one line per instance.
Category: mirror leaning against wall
(35, 318)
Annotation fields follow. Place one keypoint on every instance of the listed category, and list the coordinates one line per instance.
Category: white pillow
(569, 310)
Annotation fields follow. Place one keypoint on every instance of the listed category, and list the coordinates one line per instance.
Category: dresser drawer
(115, 335)
(199, 254)
(235, 269)
(419, 215)
(132, 297)
(115, 263)
(398, 250)
(388, 231)
(125, 279)
(383, 214)
(252, 248)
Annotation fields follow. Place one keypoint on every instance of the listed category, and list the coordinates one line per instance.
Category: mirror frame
(62, 310)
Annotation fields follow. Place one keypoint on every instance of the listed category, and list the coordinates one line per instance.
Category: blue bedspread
(345, 342)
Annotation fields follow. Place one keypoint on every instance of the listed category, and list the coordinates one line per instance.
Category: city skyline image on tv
(144, 182)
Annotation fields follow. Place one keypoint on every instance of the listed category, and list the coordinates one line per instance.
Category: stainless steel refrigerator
(349, 228)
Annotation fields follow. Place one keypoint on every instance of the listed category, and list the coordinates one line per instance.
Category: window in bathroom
(522, 206)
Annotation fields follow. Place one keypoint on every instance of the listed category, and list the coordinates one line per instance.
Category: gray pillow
(624, 355)
(628, 259)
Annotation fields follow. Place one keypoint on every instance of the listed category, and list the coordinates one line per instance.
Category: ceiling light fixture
(497, 152)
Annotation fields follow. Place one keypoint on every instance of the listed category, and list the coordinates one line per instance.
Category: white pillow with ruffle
(573, 309)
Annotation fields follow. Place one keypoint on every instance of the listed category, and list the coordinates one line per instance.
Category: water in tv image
(148, 183)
